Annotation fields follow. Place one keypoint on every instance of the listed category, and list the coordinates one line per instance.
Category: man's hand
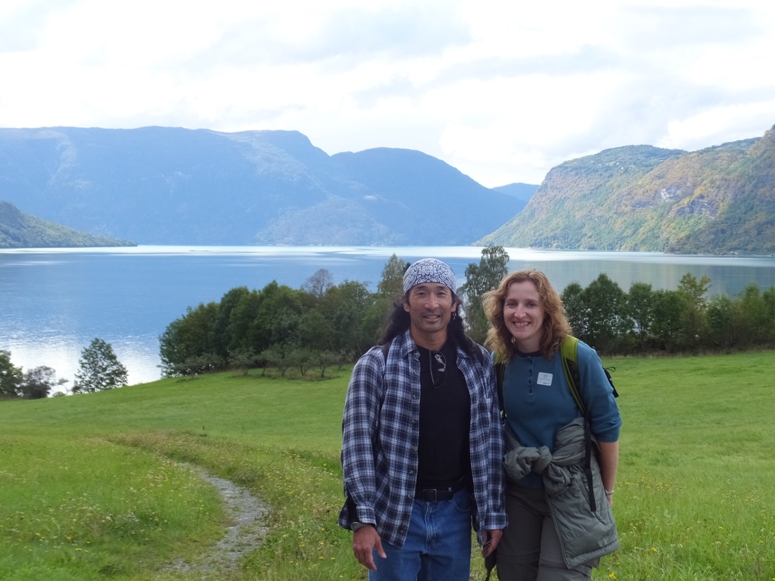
(364, 540)
(491, 540)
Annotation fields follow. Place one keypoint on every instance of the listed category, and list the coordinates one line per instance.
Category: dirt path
(245, 535)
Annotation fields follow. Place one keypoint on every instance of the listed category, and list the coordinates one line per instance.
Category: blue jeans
(437, 547)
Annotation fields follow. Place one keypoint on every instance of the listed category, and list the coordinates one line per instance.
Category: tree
(38, 382)
(391, 286)
(695, 290)
(318, 283)
(722, 321)
(99, 368)
(302, 358)
(277, 318)
(640, 308)
(197, 365)
(769, 301)
(223, 327)
(485, 276)
(755, 315)
(666, 326)
(315, 330)
(275, 356)
(323, 360)
(190, 337)
(576, 309)
(360, 323)
(10, 376)
(356, 315)
(243, 360)
(242, 322)
(607, 320)
(694, 321)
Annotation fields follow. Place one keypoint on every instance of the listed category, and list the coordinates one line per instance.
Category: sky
(503, 90)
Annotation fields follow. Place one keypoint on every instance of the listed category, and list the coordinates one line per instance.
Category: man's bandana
(429, 270)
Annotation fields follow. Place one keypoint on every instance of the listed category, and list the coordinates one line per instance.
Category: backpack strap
(570, 365)
(610, 379)
(500, 371)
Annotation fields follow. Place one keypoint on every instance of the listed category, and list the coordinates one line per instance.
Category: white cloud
(503, 90)
(718, 124)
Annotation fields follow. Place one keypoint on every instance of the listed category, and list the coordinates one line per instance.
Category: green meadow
(97, 486)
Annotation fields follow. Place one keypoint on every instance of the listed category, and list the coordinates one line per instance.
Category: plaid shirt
(380, 434)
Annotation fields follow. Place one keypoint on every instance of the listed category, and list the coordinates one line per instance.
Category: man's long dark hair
(398, 321)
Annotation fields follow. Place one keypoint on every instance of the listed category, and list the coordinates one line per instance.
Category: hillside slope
(717, 200)
(20, 230)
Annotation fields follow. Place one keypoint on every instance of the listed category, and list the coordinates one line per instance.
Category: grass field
(91, 486)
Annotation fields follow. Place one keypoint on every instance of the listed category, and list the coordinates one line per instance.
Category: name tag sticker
(544, 378)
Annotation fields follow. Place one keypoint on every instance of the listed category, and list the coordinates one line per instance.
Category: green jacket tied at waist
(584, 534)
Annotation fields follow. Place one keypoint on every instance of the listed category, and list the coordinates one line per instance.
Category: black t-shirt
(445, 415)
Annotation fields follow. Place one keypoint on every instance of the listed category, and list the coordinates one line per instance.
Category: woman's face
(523, 313)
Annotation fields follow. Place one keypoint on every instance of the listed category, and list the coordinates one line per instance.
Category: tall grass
(695, 494)
(90, 487)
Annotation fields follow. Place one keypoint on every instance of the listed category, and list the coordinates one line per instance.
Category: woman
(556, 530)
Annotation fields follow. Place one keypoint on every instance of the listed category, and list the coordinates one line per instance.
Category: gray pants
(530, 548)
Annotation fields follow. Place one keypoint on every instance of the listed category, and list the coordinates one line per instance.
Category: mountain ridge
(162, 185)
(716, 200)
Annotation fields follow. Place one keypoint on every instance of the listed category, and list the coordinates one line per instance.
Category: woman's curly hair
(555, 325)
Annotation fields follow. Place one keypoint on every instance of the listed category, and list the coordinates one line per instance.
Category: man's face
(430, 306)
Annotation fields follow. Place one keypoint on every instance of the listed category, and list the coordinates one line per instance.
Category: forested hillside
(20, 230)
(159, 185)
(718, 200)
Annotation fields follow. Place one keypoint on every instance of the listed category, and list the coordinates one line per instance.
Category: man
(421, 440)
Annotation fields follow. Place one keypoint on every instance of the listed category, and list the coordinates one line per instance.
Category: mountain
(159, 185)
(520, 191)
(719, 200)
(20, 230)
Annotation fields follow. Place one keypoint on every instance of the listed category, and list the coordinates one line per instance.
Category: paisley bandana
(429, 270)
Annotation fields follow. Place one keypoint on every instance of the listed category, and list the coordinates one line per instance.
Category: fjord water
(53, 302)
